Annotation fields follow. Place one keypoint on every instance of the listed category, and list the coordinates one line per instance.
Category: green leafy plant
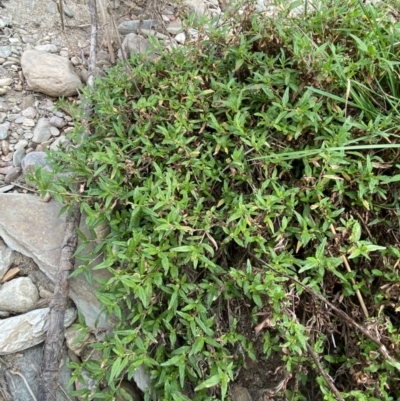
(279, 141)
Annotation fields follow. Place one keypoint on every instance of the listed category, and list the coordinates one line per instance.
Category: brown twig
(326, 377)
(55, 334)
(382, 349)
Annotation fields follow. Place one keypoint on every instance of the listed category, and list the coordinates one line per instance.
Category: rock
(6, 81)
(27, 330)
(3, 91)
(75, 61)
(28, 363)
(49, 48)
(28, 122)
(181, 38)
(127, 27)
(6, 259)
(239, 393)
(6, 189)
(61, 142)
(21, 144)
(54, 131)
(142, 378)
(42, 132)
(12, 175)
(71, 337)
(196, 6)
(18, 295)
(4, 130)
(134, 44)
(27, 101)
(18, 155)
(50, 74)
(29, 112)
(40, 235)
(33, 160)
(5, 51)
(57, 122)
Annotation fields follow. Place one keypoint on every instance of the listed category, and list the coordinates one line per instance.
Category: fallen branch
(55, 335)
(381, 348)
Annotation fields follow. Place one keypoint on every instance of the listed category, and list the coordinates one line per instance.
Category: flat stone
(18, 295)
(6, 188)
(4, 130)
(40, 235)
(42, 132)
(27, 330)
(2, 117)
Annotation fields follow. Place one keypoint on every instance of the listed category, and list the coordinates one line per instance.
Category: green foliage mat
(272, 139)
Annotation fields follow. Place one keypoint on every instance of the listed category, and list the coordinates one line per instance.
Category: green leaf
(211, 382)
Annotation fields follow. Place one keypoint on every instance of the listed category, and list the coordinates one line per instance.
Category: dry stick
(328, 380)
(382, 349)
(93, 41)
(55, 334)
(346, 263)
(107, 31)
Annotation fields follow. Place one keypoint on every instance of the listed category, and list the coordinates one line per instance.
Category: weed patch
(245, 178)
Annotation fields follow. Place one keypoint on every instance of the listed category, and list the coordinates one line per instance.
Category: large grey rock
(18, 295)
(134, 44)
(50, 74)
(27, 330)
(34, 229)
(42, 132)
(28, 363)
(33, 160)
(6, 258)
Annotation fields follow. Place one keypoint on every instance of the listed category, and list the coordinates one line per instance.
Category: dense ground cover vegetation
(246, 177)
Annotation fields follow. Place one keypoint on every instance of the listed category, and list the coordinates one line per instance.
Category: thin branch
(321, 370)
(55, 334)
